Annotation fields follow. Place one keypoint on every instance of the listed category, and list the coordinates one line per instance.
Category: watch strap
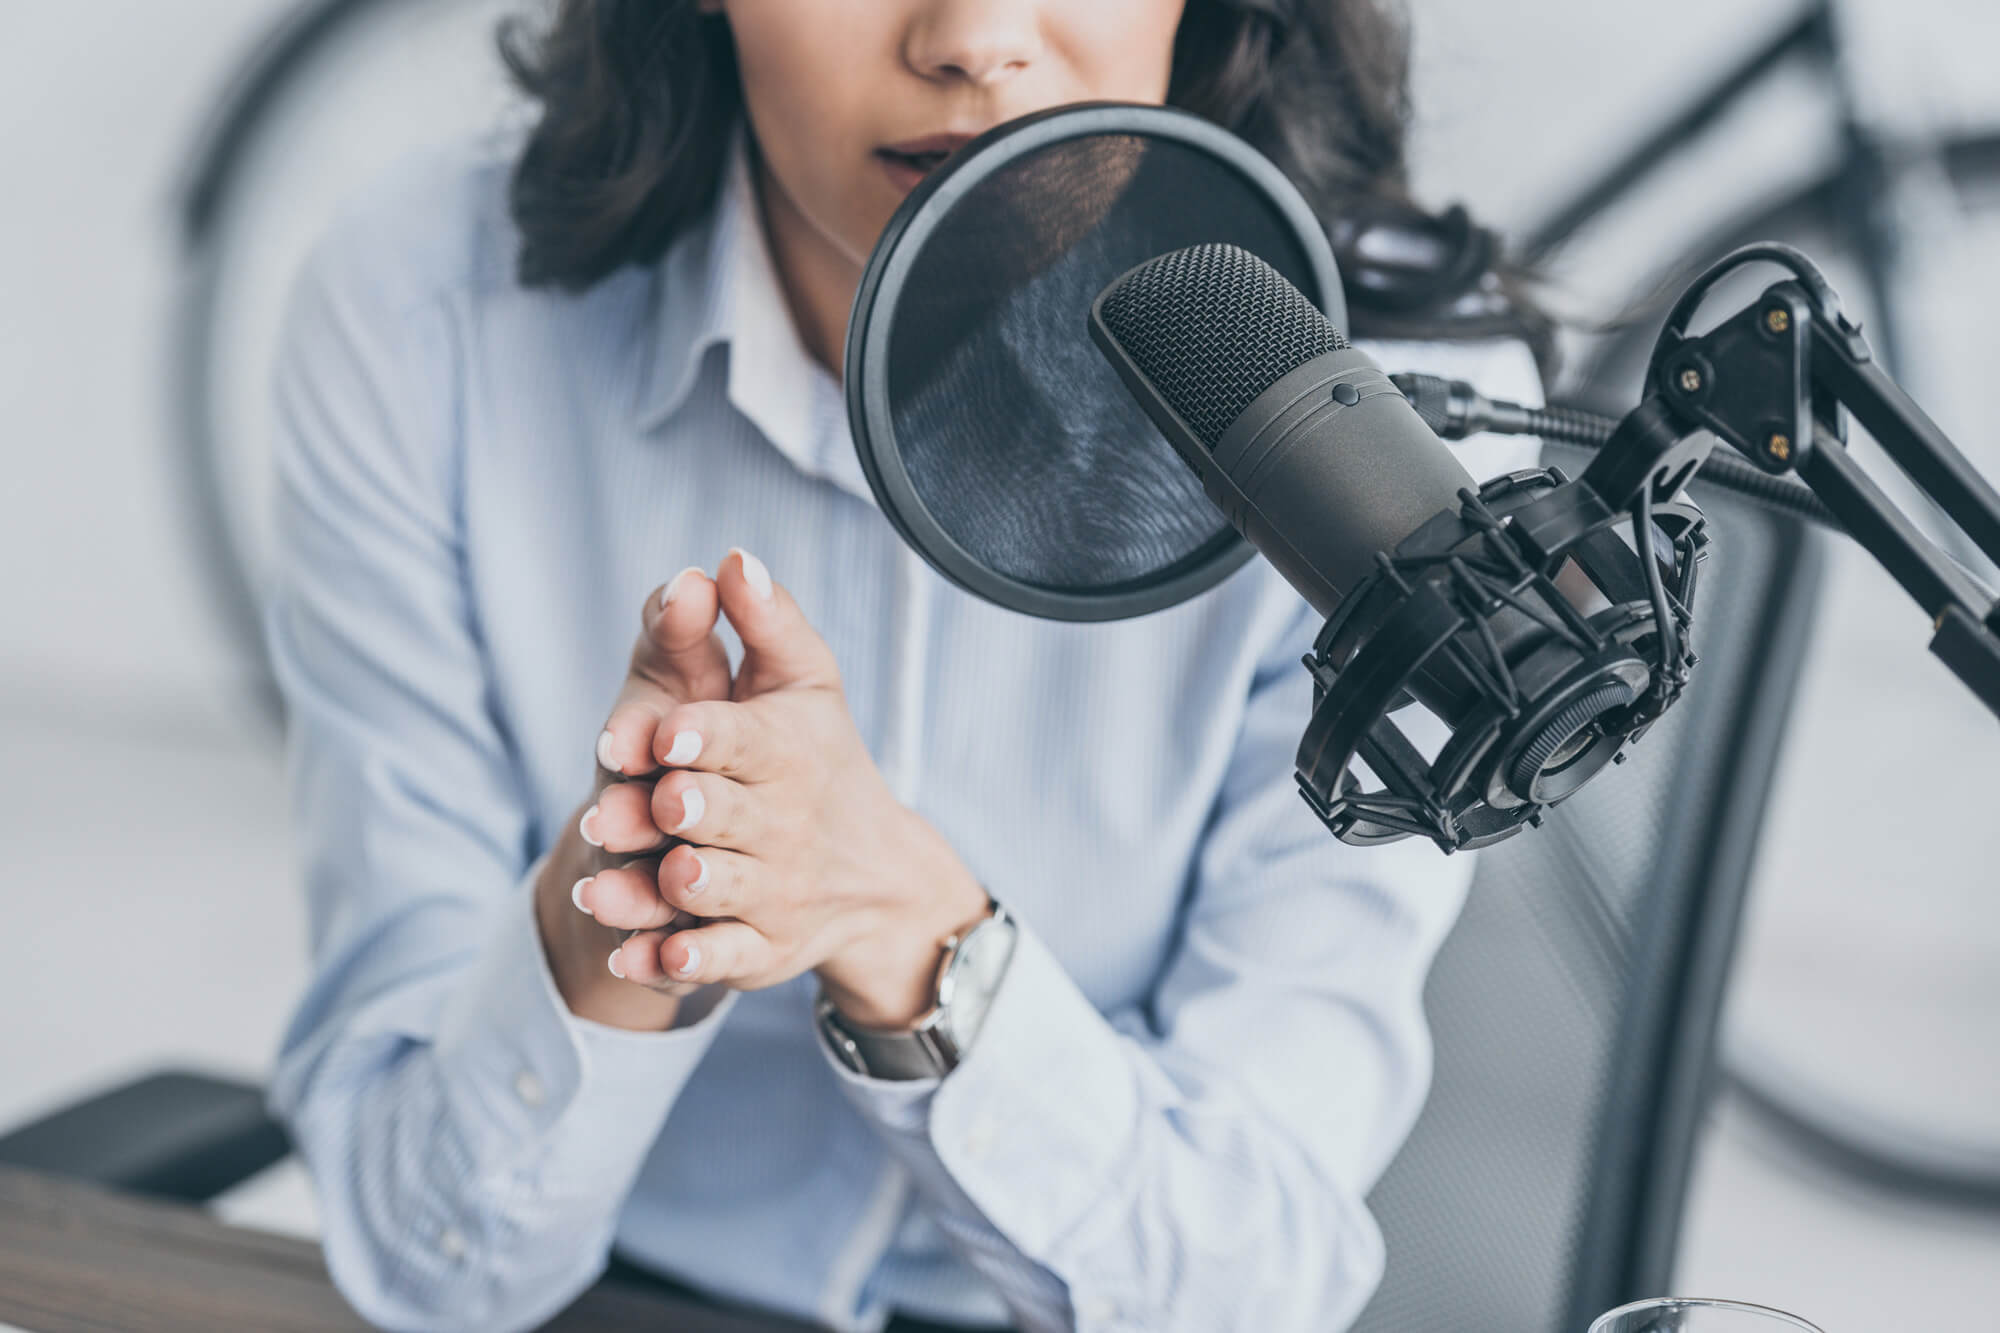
(926, 1050)
(921, 1052)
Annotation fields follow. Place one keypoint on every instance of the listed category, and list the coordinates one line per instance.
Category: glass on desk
(1689, 1314)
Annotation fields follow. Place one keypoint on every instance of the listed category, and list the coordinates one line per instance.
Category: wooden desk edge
(78, 1258)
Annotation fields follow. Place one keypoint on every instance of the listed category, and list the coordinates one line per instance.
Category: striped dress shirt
(1209, 1042)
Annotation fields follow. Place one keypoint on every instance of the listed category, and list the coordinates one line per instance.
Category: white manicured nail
(674, 585)
(583, 827)
(605, 758)
(754, 571)
(617, 969)
(694, 960)
(693, 806)
(701, 880)
(687, 744)
(576, 895)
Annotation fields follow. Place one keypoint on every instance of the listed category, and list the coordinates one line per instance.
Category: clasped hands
(741, 833)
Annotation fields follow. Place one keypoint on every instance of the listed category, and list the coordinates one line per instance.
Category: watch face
(976, 969)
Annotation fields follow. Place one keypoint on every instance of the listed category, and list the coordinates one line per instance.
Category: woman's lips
(910, 161)
(904, 175)
(946, 142)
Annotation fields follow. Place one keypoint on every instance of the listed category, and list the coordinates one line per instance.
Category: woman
(559, 1009)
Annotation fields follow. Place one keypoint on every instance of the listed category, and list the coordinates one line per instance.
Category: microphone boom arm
(1775, 382)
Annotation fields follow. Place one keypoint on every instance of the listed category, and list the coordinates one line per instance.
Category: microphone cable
(1454, 409)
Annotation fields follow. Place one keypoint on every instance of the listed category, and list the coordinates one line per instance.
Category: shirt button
(528, 1088)
(979, 1135)
(451, 1244)
(1097, 1309)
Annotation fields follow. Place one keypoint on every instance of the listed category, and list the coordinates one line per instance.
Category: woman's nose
(980, 41)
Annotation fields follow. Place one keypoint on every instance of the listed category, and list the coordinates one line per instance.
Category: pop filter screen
(997, 440)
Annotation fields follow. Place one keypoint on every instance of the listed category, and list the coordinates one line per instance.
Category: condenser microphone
(1300, 439)
(1517, 612)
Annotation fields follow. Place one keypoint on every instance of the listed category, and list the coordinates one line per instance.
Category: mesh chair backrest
(1573, 1006)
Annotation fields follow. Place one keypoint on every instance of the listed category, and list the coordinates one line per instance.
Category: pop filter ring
(866, 364)
(1402, 622)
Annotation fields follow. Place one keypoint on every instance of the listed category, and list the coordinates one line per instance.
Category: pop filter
(996, 439)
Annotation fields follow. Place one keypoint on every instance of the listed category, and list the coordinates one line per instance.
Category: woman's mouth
(909, 162)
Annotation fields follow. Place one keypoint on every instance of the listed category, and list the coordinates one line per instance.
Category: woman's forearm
(471, 1140)
(418, 1231)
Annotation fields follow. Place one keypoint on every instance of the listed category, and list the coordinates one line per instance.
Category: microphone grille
(1213, 326)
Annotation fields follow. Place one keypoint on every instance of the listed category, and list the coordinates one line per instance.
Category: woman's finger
(621, 821)
(725, 951)
(637, 960)
(708, 809)
(626, 897)
(717, 736)
(707, 881)
(678, 656)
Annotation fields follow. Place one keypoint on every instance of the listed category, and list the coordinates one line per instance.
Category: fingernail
(617, 970)
(674, 585)
(754, 571)
(583, 827)
(687, 744)
(701, 880)
(693, 806)
(576, 895)
(694, 960)
(604, 744)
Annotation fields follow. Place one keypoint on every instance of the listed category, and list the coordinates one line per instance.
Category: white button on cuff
(451, 1244)
(1096, 1309)
(528, 1088)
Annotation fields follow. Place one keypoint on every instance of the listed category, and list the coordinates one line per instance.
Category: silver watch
(968, 977)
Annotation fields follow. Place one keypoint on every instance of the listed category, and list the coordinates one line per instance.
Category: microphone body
(1513, 611)
(1300, 439)
(1332, 438)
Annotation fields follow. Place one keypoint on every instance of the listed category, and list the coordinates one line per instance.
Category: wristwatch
(968, 977)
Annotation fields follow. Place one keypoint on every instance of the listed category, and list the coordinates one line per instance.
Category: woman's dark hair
(638, 98)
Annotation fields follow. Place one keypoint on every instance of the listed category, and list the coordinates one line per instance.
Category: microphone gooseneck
(1545, 639)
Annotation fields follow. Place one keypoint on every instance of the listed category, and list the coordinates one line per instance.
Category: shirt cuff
(1034, 1123)
(514, 1062)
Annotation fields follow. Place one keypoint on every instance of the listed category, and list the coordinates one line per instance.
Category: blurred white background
(148, 915)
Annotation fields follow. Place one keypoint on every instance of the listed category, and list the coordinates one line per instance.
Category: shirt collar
(718, 284)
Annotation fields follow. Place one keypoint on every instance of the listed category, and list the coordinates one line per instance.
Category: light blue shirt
(1209, 1042)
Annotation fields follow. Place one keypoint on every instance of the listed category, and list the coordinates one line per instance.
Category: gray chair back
(1574, 1004)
